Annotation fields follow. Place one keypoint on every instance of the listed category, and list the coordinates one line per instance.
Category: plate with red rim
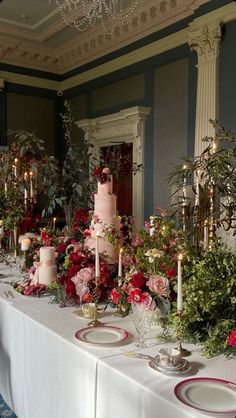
(102, 335)
(208, 395)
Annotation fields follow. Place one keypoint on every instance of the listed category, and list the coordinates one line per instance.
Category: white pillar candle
(120, 263)
(152, 229)
(25, 244)
(97, 261)
(179, 285)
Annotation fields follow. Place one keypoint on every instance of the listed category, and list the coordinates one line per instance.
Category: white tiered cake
(47, 269)
(104, 217)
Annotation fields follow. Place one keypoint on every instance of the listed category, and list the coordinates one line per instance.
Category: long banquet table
(45, 372)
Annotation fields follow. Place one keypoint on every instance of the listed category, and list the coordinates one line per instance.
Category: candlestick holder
(180, 334)
(96, 296)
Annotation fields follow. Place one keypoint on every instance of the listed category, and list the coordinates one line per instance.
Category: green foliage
(216, 165)
(64, 184)
(209, 299)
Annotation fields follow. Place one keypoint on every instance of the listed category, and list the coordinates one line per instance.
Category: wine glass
(142, 319)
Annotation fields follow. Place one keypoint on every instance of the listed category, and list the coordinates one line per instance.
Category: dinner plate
(101, 335)
(208, 395)
(175, 372)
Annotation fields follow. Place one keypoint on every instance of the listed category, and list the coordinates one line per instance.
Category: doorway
(121, 158)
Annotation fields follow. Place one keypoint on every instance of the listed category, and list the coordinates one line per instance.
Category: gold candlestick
(96, 296)
(180, 334)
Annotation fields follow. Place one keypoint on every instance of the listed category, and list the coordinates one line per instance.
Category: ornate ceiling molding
(93, 44)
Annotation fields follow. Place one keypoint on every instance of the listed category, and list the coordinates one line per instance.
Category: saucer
(185, 368)
(158, 362)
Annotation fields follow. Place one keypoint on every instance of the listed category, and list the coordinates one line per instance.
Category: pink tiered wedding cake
(104, 217)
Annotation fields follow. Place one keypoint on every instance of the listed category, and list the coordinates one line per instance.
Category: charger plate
(102, 335)
(208, 395)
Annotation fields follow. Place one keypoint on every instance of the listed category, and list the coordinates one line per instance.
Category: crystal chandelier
(84, 14)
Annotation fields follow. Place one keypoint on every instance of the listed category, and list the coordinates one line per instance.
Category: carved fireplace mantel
(126, 126)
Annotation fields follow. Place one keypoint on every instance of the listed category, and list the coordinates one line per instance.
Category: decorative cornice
(93, 44)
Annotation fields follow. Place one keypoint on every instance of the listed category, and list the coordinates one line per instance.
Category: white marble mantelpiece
(126, 126)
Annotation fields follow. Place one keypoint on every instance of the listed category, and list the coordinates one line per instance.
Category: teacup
(169, 357)
(88, 310)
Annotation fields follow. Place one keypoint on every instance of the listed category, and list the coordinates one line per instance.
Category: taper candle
(97, 261)
(31, 185)
(179, 285)
(206, 234)
(152, 229)
(120, 263)
(184, 186)
(197, 189)
(15, 170)
(5, 186)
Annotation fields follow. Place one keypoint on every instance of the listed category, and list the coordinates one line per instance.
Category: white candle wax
(25, 244)
(197, 193)
(31, 186)
(1, 228)
(15, 167)
(152, 229)
(179, 286)
(205, 232)
(54, 224)
(184, 187)
(97, 261)
(5, 187)
(120, 264)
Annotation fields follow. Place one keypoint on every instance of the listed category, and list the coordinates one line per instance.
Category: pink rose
(85, 275)
(158, 285)
(150, 303)
(106, 170)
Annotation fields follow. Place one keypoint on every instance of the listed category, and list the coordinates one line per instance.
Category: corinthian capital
(205, 40)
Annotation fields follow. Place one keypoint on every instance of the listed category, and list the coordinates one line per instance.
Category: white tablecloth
(45, 372)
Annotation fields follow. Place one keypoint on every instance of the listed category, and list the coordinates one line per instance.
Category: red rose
(70, 289)
(138, 280)
(75, 258)
(231, 340)
(170, 273)
(73, 270)
(61, 248)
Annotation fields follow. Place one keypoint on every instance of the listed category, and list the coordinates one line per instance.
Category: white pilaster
(205, 40)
